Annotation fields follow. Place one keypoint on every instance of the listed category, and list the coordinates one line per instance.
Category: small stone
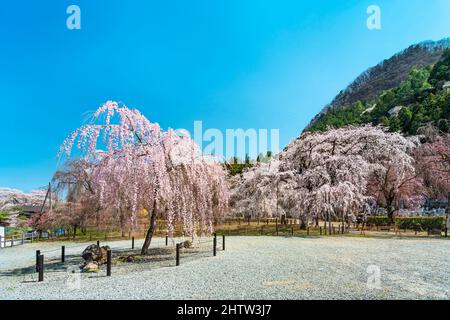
(91, 267)
(127, 258)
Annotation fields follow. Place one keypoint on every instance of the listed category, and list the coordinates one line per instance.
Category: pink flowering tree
(327, 175)
(265, 191)
(433, 165)
(396, 185)
(138, 166)
(330, 171)
(82, 207)
(258, 191)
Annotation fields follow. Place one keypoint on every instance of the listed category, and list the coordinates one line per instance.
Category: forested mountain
(421, 98)
(404, 92)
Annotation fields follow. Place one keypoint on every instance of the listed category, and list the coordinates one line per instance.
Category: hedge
(377, 221)
(420, 223)
(411, 223)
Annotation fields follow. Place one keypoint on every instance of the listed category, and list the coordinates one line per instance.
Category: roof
(32, 208)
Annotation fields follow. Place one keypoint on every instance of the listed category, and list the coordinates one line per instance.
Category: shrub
(420, 223)
(411, 223)
(378, 221)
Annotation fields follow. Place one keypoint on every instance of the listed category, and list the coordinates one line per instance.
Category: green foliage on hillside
(420, 99)
(235, 166)
(3, 216)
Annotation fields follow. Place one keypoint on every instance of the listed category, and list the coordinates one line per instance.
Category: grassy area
(240, 228)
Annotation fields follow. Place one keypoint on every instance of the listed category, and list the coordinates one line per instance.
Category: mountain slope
(386, 75)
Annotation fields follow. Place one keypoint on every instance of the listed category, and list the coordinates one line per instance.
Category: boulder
(94, 253)
(187, 244)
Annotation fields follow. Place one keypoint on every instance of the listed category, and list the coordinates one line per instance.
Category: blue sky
(231, 64)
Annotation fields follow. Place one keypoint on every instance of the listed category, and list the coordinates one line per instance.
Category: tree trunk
(390, 214)
(122, 223)
(303, 224)
(329, 223)
(149, 235)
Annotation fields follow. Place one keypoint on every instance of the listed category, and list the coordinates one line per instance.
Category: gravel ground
(250, 268)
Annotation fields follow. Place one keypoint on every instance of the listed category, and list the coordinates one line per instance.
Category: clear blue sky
(231, 64)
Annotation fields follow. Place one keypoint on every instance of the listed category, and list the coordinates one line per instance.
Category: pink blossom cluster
(143, 167)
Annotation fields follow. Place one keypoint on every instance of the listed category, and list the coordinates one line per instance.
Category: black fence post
(307, 231)
(108, 263)
(98, 243)
(292, 231)
(63, 253)
(90, 236)
(276, 225)
(446, 229)
(320, 230)
(38, 253)
(178, 255)
(214, 244)
(223, 242)
(167, 240)
(41, 267)
(132, 242)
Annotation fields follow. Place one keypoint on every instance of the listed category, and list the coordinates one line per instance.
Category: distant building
(446, 86)
(395, 111)
(29, 211)
(437, 204)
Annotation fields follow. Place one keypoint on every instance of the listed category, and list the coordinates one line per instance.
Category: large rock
(187, 244)
(94, 253)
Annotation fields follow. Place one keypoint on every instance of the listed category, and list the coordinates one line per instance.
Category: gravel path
(250, 268)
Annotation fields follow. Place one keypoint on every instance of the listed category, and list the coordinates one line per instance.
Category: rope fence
(179, 251)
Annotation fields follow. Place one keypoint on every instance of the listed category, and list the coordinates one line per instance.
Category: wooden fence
(21, 239)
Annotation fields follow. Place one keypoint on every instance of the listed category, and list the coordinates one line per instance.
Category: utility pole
(50, 195)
